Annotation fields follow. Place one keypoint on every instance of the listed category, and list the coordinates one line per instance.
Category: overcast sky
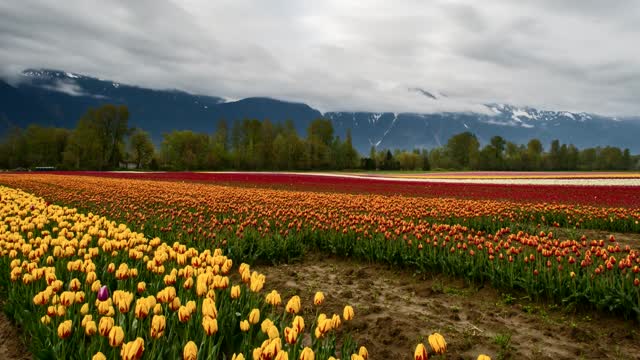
(578, 55)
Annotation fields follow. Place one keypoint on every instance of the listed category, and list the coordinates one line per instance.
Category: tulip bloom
(307, 354)
(298, 324)
(437, 343)
(273, 298)
(290, 335)
(209, 308)
(254, 316)
(158, 324)
(210, 325)
(235, 291)
(99, 356)
(103, 293)
(363, 352)
(133, 349)
(64, 329)
(420, 353)
(237, 357)
(116, 336)
(105, 325)
(190, 351)
(318, 299)
(483, 357)
(293, 306)
(348, 313)
(244, 326)
(90, 328)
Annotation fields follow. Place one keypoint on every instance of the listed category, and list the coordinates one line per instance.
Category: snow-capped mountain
(59, 98)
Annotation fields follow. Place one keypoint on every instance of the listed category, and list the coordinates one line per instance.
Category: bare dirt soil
(396, 309)
(11, 347)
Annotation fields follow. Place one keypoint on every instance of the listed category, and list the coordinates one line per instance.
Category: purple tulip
(103, 293)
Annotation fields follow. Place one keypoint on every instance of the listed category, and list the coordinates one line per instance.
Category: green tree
(141, 148)
(534, 154)
(185, 150)
(98, 140)
(319, 143)
(463, 150)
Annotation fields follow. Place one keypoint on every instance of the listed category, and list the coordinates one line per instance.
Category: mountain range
(58, 98)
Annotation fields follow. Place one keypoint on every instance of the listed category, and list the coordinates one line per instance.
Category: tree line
(103, 140)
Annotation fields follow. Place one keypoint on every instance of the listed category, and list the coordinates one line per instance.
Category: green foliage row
(102, 140)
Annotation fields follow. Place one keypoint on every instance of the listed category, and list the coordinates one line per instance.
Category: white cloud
(344, 55)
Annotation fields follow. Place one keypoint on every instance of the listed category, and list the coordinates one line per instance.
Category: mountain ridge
(59, 98)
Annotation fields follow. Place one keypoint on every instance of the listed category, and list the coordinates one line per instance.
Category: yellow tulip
(46, 320)
(348, 313)
(235, 291)
(293, 305)
(237, 357)
(64, 329)
(363, 352)
(273, 332)
(266, 324)
(84, 309)
(318, 299)
(142, 286)
(116, 336)
(184, 314)
(483, 357)
(142, 308)
(175, 304)
(282, 355)
(209, 308)
(356, 357)
(420, 353)
(307, 354)
(298, 324)
(158, 324)
(104, 325)
(90, 328)
(335, 321)
(210, 325)
(290, 335)
(254, 316)
(273, 298)
(244, 325)
(132, 350)
(190, 351)
(122, 300)
(437, 343)
(99, 356)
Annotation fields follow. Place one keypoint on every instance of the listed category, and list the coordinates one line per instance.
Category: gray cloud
(344, 55)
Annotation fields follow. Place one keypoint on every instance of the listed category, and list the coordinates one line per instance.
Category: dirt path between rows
(397, 309)
(11, 347)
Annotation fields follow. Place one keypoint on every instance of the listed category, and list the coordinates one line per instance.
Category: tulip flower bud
(420, 353)
(103, 293)
(190, 351)
(307, 354)
(254, 316)
(437, 343)
(244, 326)
(64, 329)
(348, 313)
(318, 299)
(235, 292)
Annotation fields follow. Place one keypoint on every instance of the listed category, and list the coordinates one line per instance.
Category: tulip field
(179, 265)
